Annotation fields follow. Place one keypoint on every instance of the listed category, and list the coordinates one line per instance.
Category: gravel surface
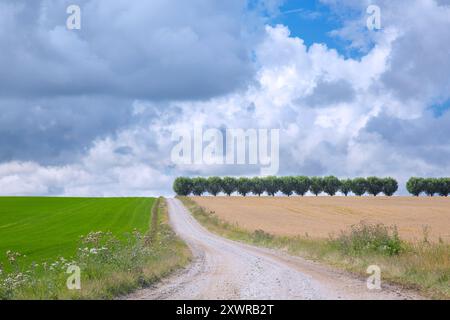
(225, 269)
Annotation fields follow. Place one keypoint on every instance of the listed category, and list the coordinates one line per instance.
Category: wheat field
(318, 217)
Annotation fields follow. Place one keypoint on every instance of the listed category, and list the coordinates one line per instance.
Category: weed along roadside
(423, 265)
(109, 265)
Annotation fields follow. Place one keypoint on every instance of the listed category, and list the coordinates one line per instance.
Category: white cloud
(332, 111)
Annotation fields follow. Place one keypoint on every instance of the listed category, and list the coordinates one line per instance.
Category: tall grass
(109, 266)
(366, 238)
(423, 266)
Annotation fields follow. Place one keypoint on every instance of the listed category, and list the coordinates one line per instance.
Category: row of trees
(287, 185)
(429, 186)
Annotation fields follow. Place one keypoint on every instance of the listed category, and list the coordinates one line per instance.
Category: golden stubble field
(318, 217)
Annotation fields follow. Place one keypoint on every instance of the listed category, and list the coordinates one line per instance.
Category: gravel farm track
(225, 269)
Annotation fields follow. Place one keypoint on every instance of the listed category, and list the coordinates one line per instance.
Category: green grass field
(49, 228)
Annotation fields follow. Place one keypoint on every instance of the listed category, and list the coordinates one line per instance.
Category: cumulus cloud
(61, 89)
(59, 130)
(161, 49)
(418, 64)
(337, 115)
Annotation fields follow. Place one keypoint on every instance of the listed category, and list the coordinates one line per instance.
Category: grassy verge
(422, 266)
(109, 266)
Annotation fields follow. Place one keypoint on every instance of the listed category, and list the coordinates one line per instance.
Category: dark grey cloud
(443, 2)
(60, 89)
(327, 93)
(425, 138)
(124, 150)
(427, 77)
(159, 49)
(59, 130)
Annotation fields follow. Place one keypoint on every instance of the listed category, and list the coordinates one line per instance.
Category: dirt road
(224, 269)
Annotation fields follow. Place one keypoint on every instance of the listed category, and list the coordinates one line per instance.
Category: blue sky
(440, 108)
(311, 21)
(92, 111)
